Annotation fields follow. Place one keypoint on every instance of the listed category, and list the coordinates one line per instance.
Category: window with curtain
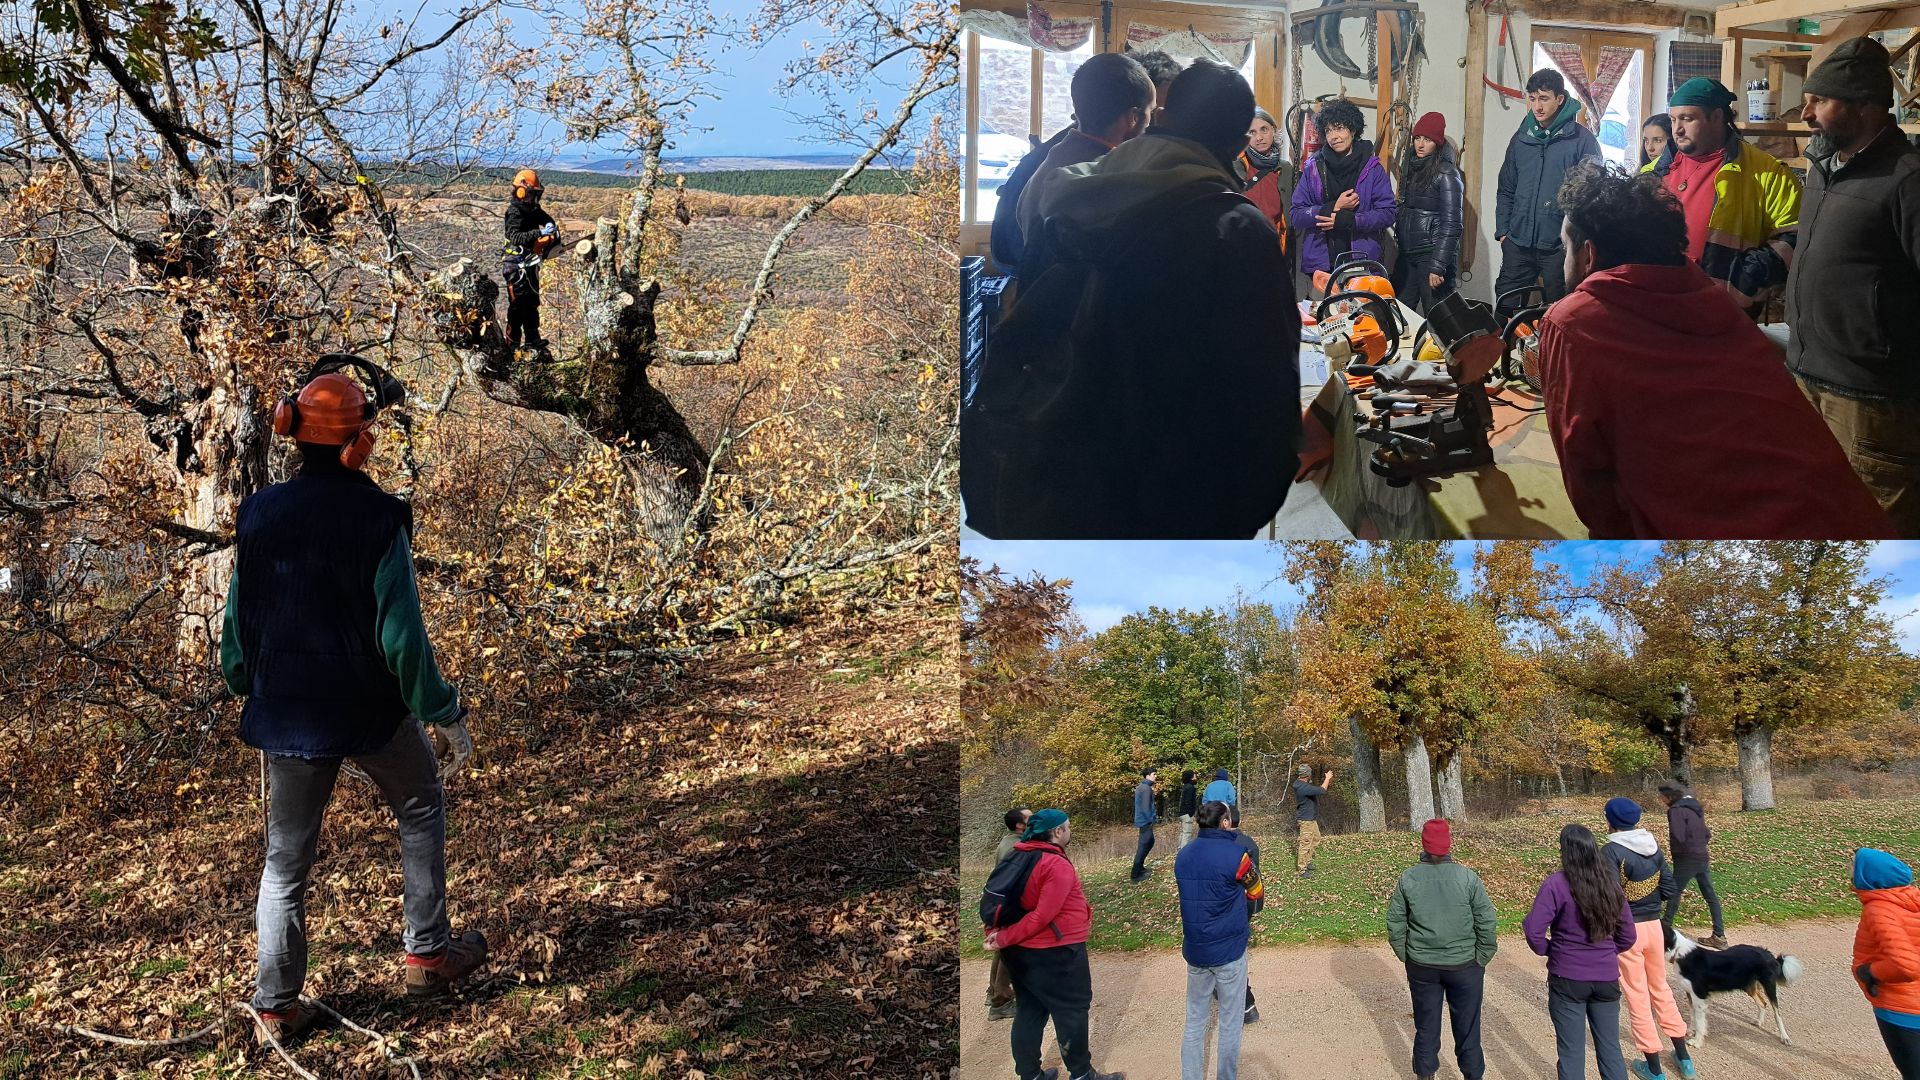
(1608, 74)
(1025, 77)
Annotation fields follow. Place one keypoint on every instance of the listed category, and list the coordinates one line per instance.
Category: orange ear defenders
(524, 182)
(332, 409)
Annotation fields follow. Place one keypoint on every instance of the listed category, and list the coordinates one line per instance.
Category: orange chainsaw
(1359, 321)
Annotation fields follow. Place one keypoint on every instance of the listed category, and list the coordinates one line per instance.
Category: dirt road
(1341, 1013)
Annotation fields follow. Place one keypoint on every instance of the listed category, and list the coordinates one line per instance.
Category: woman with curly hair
(1343, 202)
(1581, 923)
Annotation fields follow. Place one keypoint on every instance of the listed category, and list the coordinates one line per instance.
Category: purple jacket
(1371, 219)
(1553, 930)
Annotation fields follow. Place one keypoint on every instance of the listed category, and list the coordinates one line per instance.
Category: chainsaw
(1417, 440)
(1359, 322)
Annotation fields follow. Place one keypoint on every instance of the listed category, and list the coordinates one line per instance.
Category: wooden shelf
(1751, 127)
(1782, 56)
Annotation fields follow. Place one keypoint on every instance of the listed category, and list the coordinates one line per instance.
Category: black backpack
(1009, 247)
(1000, 905)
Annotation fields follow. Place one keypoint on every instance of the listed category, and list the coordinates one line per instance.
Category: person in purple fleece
(1343, 201)
(1581, 923)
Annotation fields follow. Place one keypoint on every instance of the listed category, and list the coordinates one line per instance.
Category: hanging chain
(1373, 48)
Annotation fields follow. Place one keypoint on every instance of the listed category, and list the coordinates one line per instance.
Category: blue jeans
(409, 778)
(1227, 985)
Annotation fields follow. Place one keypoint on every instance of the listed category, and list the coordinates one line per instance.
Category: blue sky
(748, 117)
(1114, 578)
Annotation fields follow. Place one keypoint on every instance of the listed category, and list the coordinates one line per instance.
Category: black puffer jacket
(1428, 229)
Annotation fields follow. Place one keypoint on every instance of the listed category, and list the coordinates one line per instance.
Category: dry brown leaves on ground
(756, 880)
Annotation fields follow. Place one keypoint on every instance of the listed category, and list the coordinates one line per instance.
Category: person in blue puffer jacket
(1217, 879)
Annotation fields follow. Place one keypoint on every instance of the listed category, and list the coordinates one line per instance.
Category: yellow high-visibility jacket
(1754, 223)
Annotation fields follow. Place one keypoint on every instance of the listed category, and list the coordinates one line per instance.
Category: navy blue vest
(306, 613)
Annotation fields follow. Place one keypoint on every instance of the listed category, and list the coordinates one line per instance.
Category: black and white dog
(1746, 968)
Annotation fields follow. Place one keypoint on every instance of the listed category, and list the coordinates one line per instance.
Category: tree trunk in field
(1419, 783)
(1560, 774)
(218, 457)
(1680, 763)
(1756, 767)
(1366, 779)
(1453, 791)
(602, 385)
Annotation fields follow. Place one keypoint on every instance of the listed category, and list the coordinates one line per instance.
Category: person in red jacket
(1046, 955)
(1673, 415)
(1268, 175)
(1886, 953)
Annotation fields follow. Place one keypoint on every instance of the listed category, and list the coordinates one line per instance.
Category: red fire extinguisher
(1309, 132)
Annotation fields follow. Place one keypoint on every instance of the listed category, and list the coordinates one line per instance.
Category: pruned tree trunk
(603, 385)
(1756, 766)
(1680, 763)
(1366, 779)
(1453, 791)
(1419, 782)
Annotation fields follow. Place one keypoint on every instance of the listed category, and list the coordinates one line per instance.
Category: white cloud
(1888, 555)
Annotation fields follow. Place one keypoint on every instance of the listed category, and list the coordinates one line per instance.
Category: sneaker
(1639, 1069)
(1252, 1016)
(1717, 941)
(1047, 1074)
(285, 1024)
(429, 976)
(1001, 1012)
(1096, 1074)
(1687, 1070)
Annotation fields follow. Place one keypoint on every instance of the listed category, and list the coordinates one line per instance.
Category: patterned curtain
(1039, 30)
(1594, 94)
(1566, 57)
(1188, 44)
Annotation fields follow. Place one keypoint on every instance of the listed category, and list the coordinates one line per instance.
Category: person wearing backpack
(1112, 102)
(999, 986)
(1037, 918)
(1127, 394)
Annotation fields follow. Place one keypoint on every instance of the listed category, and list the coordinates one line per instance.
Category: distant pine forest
(742, 181)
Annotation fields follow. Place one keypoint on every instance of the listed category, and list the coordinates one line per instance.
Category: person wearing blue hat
(1634, 854)
(1742, 205)
(1886, 953)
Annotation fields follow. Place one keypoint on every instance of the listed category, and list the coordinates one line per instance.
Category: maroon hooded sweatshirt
(1675, 418)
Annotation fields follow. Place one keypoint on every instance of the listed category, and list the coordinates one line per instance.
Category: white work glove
(549, 229)
(452, 745)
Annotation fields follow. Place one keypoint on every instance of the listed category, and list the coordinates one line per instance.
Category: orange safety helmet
(525, 182)
(333, 409)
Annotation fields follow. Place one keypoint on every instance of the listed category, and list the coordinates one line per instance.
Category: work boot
(1717, 941)
(1096, 1074)
(1047, 1074)
(430, 976)
(285, 1024)
(1002, 1012)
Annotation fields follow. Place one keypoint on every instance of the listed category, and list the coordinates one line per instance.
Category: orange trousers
(1643, 982)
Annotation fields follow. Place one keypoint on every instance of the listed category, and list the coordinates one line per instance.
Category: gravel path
(1341, 1013)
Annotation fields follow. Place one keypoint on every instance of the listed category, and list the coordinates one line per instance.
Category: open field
(1790, 863)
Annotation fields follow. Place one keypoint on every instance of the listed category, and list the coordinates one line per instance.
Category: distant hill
(716, 164)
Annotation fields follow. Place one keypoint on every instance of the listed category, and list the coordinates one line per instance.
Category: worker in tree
(531, 234)
(323, 637)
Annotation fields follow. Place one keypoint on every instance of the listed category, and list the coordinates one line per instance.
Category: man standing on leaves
(531, 233)
(1189, 805)
(323, 637)
(1143, 818)
(1688, 835)
(1306, 810)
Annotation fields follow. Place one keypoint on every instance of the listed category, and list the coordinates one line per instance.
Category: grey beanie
(1858, 69)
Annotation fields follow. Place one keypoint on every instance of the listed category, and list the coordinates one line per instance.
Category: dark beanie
(1622, 814)
(1858, 69)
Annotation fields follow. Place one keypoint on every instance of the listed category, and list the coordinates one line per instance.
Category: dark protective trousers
(1688, 868)
(523, 305)
(1050, 984)
(1576, 1007)
(1521, 267)
(1460, 990)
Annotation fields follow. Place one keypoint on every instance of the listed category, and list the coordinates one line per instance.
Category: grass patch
(631, 992)
(1791, 863)
(159, 967)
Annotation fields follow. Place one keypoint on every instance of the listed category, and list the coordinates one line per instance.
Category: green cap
(1704, 92)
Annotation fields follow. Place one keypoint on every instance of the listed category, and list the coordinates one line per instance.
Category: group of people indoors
(1144, 382)
(1602, 922)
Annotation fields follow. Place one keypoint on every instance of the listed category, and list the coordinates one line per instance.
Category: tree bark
(1680, 763)
(1453, 791)
(1419, 783)
(1756, 767)
(1366, 779)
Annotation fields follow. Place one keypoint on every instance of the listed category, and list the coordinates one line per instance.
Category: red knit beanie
(1436, 837)
(1433, 126)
